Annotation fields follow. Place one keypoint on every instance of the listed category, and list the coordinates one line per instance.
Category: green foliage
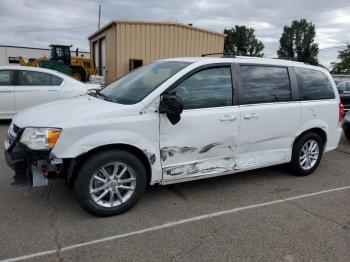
(343, 66)
(241, 40)
(298, 42)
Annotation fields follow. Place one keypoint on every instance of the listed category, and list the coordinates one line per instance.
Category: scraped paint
(200, 168)
(166, 152)
(150, 156)
(208, 147)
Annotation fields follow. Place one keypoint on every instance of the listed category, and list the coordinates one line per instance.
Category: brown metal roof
(114, 22)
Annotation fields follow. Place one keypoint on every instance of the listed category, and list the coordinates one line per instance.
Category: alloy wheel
(112, 185)
(309, 155)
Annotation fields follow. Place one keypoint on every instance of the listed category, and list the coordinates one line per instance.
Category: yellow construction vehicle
(61, 60)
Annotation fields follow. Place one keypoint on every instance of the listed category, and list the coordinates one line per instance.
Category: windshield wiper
(97, 93)
(104, 96)
(92, 92)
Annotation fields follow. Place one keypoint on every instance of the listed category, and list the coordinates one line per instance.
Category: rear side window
(6, 77)
(208, 88)
(56, 81)
(265, 84)
(33, 78)
(313, 85)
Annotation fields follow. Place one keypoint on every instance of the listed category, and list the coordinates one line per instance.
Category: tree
(298, 42)
(343, 66)
(241, 40)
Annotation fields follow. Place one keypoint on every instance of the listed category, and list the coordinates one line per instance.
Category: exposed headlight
(40, 138)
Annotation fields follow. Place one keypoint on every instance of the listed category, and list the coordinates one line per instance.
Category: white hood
(57, 113)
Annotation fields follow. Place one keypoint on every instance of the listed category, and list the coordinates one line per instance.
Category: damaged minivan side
(177, 120)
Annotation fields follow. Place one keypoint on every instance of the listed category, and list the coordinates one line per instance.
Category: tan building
(121, 46)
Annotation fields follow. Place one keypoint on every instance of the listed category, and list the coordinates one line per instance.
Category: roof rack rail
(220, 53)
(291, 59)
(233, 54)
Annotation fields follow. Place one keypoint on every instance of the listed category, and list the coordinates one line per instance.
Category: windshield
(135, 86)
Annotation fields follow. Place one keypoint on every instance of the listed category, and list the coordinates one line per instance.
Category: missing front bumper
(38, 178)
(32, 167)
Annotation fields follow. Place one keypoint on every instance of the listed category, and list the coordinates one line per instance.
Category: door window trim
(12, 82)
(18, 73)
(234, 84)
(294, 91)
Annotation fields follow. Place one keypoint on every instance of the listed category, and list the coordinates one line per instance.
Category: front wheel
(110, 183)
(307, 154)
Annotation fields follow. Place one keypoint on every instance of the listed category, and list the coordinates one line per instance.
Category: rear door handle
(228, 118)
(250, 116)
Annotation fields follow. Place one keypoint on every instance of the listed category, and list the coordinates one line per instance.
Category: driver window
(208, 88)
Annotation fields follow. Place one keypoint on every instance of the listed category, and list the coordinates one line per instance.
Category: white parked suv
(177, 120)
(22, 87)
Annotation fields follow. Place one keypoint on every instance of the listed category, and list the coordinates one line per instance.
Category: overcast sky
(38, 23)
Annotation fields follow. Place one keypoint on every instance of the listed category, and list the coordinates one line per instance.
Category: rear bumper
(333, 138)
(346, 102)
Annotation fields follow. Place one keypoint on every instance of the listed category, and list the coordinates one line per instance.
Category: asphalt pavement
(262, 215)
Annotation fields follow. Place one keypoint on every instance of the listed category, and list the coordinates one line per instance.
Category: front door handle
(228, 118)
(250, 116)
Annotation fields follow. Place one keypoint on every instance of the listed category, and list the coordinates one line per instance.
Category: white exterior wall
(26, 53)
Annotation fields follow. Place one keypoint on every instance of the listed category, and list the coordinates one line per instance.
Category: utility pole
(99, 17)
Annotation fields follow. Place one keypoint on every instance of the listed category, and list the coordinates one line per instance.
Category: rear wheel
(110, 183)
(307, 154)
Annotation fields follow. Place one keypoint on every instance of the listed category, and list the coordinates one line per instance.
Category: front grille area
(12, 133)
(15, 129)
(10, 139)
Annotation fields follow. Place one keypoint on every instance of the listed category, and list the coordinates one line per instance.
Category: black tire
(79, 71)
(92, 164)
(295, 164)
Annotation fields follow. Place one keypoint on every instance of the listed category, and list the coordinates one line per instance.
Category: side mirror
(172, 106)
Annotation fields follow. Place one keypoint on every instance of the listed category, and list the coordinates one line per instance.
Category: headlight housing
(38, 138)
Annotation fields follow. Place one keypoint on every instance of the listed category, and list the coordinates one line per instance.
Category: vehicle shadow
(64, 200)
(200, 190)
(6, 122)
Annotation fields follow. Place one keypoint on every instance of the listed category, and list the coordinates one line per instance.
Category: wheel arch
(322, 133)
(75, 164)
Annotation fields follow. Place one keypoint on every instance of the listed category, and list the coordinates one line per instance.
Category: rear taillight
(341, 112)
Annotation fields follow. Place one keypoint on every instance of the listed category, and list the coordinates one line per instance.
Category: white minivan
(177, 120)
